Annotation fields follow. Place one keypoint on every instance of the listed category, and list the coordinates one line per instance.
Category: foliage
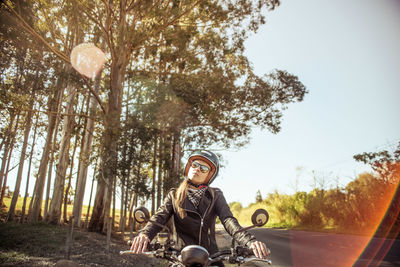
(176, 76)
(367, 204)
(236, 208)
(386, 164)
(258, 196)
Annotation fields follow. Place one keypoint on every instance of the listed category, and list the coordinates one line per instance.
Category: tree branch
(165, 25)
(29, 29)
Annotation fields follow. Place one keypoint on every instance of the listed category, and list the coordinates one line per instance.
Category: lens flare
(386, 229)
(87, 59)
(369, 246)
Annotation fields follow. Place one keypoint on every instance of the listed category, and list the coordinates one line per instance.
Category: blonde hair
(180, 196)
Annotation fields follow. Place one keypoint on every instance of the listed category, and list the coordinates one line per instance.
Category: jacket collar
(206, 203)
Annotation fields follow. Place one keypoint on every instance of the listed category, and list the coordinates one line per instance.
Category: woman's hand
(139, 243)
(260, 249)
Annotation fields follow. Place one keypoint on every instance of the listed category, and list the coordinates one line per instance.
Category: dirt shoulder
(44, 245)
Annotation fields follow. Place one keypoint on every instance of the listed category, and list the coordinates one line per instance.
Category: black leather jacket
(198, 226)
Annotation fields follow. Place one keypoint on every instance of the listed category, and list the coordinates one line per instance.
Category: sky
(347, 54)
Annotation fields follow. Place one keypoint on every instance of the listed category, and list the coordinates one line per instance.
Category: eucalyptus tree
(129, 28)
(85, 152)
(193, 50)
(198, 65)
(20, 82)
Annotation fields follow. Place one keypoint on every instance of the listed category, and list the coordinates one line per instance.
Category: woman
(194, 207)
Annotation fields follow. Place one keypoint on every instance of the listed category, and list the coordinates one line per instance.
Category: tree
(385, 189)
(28, 125)
(191, 84)
(64, 160)
(386, 164)
(259, 198)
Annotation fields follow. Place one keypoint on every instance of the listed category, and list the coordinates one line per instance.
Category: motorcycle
(195, 255)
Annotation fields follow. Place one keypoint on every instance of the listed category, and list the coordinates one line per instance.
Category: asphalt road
(300, 248)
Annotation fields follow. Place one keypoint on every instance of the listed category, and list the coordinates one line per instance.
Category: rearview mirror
(141, 214)
(260, 217)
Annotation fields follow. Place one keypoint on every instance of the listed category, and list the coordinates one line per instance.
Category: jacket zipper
(201, 221)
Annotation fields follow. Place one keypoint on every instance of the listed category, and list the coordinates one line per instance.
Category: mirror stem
(160, 225)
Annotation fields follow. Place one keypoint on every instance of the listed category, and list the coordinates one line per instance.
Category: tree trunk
(85, 155)
(37, 197)
(70, 179)
(122, 207)
(3, 189)
(95, 224)
(113, 202)
(153, 186)
(125, 210)
(6, 142)
(29, 171)
(50, 173)
(51, 162)
(132, 224)
(124, 177)
(58, 191)
(175, 159)
(159, 182)
(90, 197)
(101, 209)
(28, 126)
(8, 159)
(67, 190)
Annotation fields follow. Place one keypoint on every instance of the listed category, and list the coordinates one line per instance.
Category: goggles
(203, 168)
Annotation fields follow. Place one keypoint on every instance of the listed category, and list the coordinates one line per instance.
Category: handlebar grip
(244, 251)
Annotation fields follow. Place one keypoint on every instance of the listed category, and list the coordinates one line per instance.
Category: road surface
(307, 249)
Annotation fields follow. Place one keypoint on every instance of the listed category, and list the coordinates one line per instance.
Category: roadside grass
(244, 217)
(20, 241)
(18, 210)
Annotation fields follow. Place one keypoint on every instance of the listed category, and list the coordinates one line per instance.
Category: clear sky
(347, 54)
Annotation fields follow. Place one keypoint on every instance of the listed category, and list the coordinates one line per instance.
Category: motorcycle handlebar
(127, 252)
(223, 255)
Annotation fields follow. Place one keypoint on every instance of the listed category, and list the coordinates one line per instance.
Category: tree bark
(3, 189)
(90, 197)
(65, 218)
(159, 181)
(67, 190)
(51, 162)
(113, 202)
(29, 171)
(28, 126)
(58, 191)
(122, 206)
(176, 152)
(153, 186)
(101, 209)
(132, 224)
(85, 156)
(120, 59)
(124, 176)
(8, 159)
(7, 142)
(37, 197)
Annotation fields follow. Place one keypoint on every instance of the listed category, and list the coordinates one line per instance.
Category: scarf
(195, 195)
